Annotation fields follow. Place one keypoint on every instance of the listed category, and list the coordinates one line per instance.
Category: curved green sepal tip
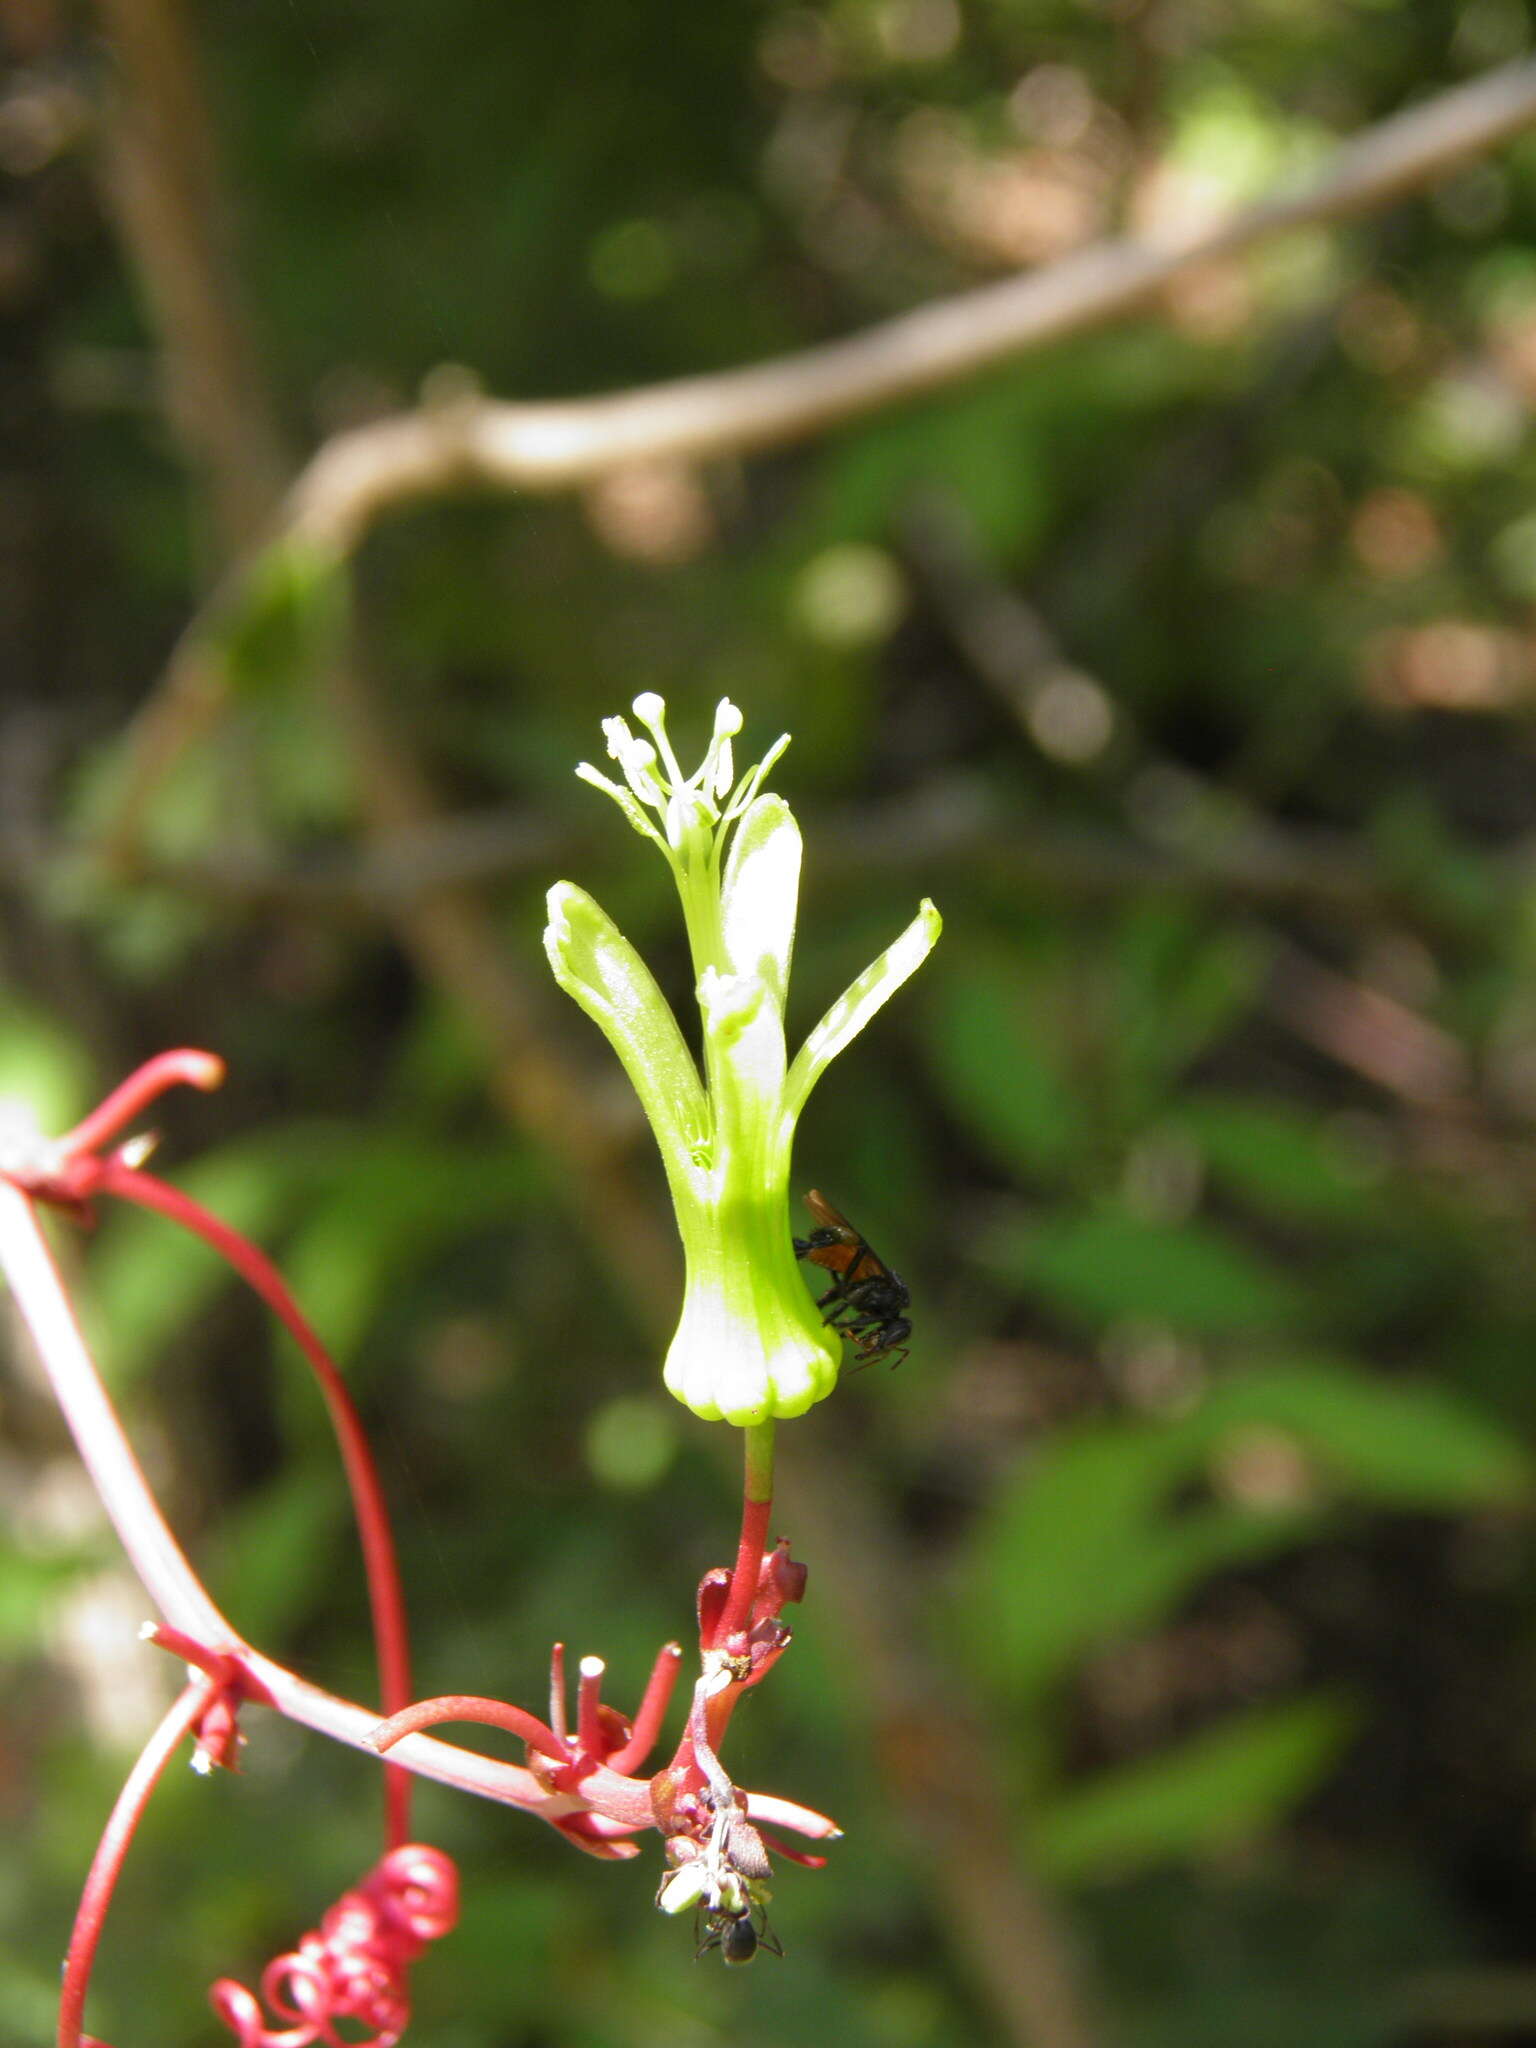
(858, 1003)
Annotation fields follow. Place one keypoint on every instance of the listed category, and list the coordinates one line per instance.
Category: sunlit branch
(470, 442)
(548, 447)
(162, 183)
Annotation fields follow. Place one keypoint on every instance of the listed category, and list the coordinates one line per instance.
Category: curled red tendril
(355, 1965)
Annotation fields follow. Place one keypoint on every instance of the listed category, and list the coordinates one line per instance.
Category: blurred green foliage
(1190, 666)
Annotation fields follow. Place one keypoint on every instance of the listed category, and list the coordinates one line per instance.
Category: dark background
(1171, 1608)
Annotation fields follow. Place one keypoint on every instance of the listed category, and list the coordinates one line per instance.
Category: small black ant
(738, 1935)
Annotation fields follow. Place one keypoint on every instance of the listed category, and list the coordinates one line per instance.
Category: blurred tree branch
(953, 827)
(461, 441)
(356, 476)
(161, 184)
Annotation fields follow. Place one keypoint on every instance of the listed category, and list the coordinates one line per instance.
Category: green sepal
(858, 1003)
(597, 966)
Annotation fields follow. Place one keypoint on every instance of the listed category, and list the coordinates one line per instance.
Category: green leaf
(1222, 1786)
(1103, 1265)
(387, 1206)
(1285, 1161)
(597, 966)
(982, 445)
(1404, 1443)
(1178, 985)
(1090, 1539)
(1083, 1545)
(276, 1547)
(993, 1023)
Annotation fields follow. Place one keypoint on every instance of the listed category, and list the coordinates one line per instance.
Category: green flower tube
(750, 1345)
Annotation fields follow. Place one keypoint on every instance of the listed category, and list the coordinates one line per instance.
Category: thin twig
(468, 442)
(549, 447)
(163, 188)
(107, 1863)
(954, 826)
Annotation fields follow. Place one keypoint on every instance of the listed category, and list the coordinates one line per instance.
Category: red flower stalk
(72, 1172)
(110, 1852)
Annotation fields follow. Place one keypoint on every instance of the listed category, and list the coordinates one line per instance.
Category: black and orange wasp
(867, 1300)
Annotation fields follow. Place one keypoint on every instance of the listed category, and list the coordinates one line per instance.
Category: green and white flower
(750, 1345)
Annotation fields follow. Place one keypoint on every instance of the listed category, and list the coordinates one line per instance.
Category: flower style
(749, 1346)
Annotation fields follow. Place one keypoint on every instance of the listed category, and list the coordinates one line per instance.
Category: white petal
(760, 891)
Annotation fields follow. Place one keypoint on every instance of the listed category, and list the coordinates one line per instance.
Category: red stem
(158, 1559)
(113, 1847)
(467, 1706)
(185, 1604)
(749, 1569)
(115, 1472)
(219, 1665)
(166, 1070)
(652, 1711)
(385, 1597)
(736, 1614)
